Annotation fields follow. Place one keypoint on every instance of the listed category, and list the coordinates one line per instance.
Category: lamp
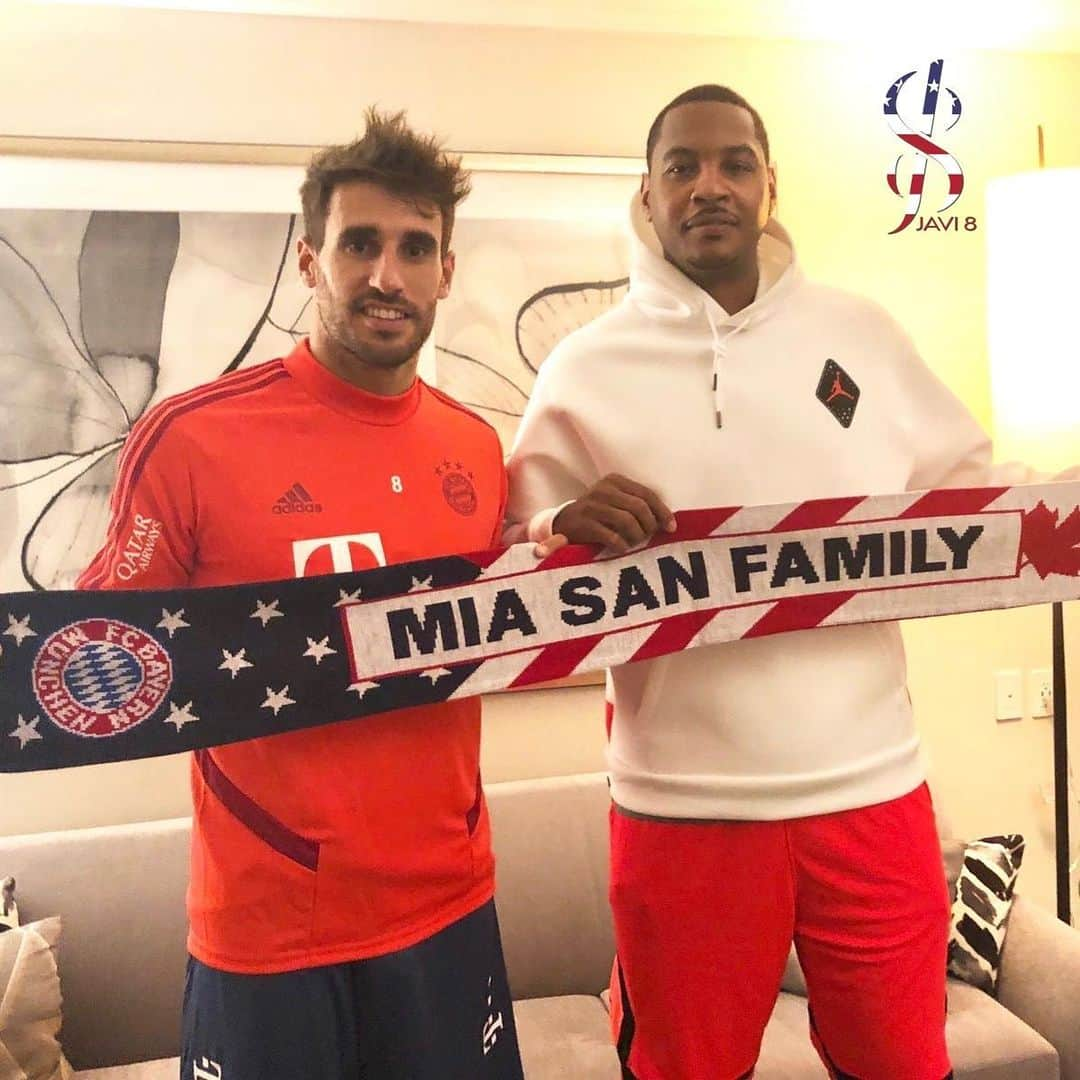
(1032, 235)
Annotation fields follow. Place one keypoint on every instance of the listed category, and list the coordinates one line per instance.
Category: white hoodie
(796, 724)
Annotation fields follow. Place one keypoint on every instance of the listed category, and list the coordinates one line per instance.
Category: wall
(136, 74)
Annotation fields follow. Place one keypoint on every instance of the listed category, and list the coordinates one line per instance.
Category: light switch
(1010, 695)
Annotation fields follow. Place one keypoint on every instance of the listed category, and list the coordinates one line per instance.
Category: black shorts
(439, 1010)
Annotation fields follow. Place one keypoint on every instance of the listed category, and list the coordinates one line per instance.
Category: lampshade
(1033, 312)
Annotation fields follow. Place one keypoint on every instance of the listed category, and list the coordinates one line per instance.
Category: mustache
(357, 305)
(711, 216)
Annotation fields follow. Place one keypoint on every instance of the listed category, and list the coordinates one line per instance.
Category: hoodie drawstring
(720, 355)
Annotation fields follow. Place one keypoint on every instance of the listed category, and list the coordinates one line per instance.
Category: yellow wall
(84, 72)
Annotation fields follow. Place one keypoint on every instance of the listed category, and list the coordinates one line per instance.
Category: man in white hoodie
(765, 790)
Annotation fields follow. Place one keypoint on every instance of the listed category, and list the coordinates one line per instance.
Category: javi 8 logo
(941, 108)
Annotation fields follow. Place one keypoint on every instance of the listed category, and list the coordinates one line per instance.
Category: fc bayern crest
(100, 677)
(457, 487)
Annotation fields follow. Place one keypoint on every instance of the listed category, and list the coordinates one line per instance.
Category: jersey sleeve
(151, 537)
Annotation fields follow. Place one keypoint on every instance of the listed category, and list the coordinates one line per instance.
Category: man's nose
(386, 275)
(711, 183)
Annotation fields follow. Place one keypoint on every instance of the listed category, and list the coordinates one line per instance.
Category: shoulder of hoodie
(620, 328)
(614, 330)
(856, 310)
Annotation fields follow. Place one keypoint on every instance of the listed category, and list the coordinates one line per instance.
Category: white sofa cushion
(564, 1037)
(986, 1041)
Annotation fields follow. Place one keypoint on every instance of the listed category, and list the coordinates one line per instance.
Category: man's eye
(357, 247)
(742, 166)
(677, 170)
(416, 251)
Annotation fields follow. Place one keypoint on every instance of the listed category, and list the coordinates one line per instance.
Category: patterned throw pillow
(984, 896)
(30, 1004)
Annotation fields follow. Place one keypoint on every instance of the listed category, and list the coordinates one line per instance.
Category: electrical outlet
(1009, 695)
(1041, 692)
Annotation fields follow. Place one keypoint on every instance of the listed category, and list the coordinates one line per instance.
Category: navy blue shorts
(439, 1010)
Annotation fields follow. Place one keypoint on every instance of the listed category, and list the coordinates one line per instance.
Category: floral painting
(102, 314)
(521, 286)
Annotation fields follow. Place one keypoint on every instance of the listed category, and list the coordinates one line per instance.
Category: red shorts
(705, 914)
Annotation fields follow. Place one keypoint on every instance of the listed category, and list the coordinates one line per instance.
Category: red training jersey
(361, 837)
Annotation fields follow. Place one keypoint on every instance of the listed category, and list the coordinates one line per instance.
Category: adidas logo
(297, 501)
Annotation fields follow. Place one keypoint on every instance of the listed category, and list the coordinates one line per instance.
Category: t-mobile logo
(203, 1070)
(338, 554)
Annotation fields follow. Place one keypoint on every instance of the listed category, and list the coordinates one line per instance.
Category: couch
(120, 891)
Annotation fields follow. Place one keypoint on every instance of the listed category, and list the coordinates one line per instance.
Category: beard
(368, 346)
(729, 260)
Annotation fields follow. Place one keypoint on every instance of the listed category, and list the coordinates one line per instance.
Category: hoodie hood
(663, 293)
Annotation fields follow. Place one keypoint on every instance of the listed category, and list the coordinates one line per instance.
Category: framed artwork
(120, 284)
(539, 254)
(123, 282)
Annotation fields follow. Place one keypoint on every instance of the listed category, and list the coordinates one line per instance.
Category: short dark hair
(706, 92)
(397, 159)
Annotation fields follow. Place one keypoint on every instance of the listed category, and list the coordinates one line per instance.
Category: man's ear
(448, 265)
(645, 195)
(308, 259)
(772, 189)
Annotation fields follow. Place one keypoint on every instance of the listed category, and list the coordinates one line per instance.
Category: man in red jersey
(340, 905)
